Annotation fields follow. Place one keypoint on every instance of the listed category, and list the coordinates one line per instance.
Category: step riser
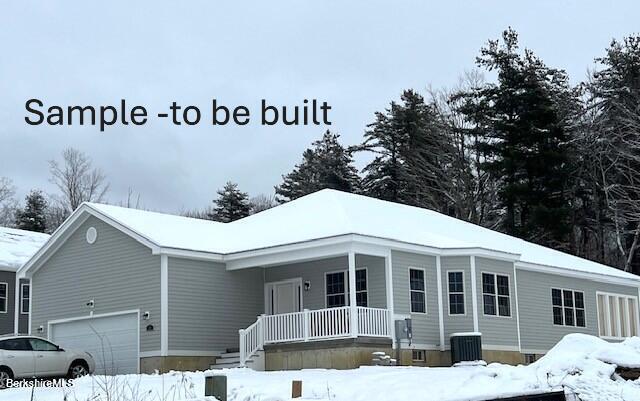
(229, 360)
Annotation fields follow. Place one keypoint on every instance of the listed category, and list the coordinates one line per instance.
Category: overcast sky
(358, 56)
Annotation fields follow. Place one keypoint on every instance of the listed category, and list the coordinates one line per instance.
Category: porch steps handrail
(251, 341)
(312, 325)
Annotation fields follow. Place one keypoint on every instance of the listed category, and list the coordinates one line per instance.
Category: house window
(338, 292)
(617, 315)
(418, 355)
(456, 293)
(568, 307)
(496, 295)
(24, 298)
(417, 286)
(361, 287)
(4, 293)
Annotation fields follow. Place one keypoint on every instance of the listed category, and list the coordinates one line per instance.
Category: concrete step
(230, 354)
(225, 365)
(235, 359)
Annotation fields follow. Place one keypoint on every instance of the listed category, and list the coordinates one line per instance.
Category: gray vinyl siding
(208, 304)
(457, 323)
(537, 331)
(7, 319)
(23, 319)
(502, 331)
(117, 272)
(426, 327)
(314, 273)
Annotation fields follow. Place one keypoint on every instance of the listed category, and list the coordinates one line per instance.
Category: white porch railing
(312, 325)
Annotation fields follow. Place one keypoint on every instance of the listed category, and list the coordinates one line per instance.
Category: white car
(28, 357)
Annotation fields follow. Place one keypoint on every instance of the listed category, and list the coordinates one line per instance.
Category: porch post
(388, 276)
(353, 312)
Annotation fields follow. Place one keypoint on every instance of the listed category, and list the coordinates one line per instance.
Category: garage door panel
(112, 340)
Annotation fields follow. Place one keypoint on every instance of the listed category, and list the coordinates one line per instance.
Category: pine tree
(524, 137)
(231, 204)
(326, 165)
(412, 154)
(32, 217)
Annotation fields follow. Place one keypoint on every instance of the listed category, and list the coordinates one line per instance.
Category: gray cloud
(357, 56)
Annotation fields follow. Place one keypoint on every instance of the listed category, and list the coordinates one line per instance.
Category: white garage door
(112, 340)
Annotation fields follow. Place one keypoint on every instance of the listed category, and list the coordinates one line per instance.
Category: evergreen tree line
(527, 153)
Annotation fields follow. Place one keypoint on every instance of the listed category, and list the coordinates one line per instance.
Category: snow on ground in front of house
(17, 246)
(581, 363)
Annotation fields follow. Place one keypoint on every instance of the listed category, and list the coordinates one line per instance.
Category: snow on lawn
(581, 363)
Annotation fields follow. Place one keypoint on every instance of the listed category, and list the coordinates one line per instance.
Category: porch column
(353, 312)
(388, 277)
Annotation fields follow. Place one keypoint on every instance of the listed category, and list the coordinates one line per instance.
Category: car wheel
(5, 374)
(78, 369)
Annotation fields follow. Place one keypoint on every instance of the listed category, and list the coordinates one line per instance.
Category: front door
(284, 297)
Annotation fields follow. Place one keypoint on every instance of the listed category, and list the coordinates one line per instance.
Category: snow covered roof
(330, 213)
(17, 246)
(167, 230)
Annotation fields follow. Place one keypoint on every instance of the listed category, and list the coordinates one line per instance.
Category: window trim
(464, 295)
(424, 281)
(575, 320)
(495, 286)
(346, 285)
(366, 277)
(628, 315)
(22, 298)
(6, 297)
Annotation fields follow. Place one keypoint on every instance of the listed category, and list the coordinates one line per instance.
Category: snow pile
(580, 364)
(17, 246)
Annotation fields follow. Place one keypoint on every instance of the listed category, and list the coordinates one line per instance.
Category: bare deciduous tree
(620, 173)
(77, 180)
(467, 185)
(8, 204)
(262, 202)
(7, 190)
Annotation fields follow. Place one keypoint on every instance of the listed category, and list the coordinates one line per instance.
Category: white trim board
(440, 300)
(474, 292)
(164, 303)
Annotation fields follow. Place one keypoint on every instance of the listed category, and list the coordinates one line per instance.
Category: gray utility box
(466, 347)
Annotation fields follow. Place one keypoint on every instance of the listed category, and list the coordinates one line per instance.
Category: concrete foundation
(508, 357)
(164, 364)
(332, 354)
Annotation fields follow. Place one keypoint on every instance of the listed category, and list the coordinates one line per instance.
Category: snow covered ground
(582, 364)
